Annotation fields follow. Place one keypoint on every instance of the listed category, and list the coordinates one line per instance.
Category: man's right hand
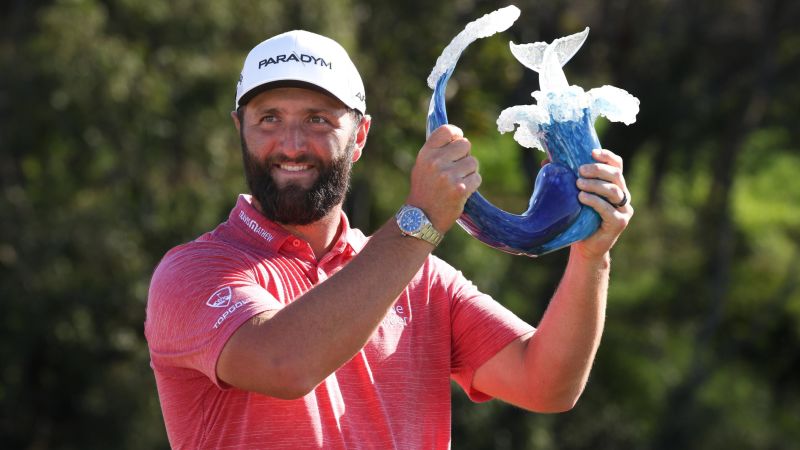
(444, 176)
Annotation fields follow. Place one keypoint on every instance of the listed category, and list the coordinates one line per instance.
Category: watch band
(429, 234)
(423, 230)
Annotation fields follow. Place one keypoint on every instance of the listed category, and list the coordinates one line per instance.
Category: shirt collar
(263, 231)
(246, 218)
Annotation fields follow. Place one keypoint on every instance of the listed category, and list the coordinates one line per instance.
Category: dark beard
(292, 204)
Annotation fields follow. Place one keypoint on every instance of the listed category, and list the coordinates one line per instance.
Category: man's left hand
(603, 188)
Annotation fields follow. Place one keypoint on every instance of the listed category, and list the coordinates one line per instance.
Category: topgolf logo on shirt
(221, 298)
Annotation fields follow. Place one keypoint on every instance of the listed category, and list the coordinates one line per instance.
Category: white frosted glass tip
(532, 55)
(524, 120)
(489, 24)
(613, 103)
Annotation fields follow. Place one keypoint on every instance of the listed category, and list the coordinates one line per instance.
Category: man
(286, 328)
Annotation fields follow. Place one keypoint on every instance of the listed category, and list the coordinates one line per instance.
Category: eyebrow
(261, 111)
(324, 110)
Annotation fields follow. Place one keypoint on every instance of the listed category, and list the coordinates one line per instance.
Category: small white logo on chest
(221, 298)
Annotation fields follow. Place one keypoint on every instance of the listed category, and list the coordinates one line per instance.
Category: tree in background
(116, 145)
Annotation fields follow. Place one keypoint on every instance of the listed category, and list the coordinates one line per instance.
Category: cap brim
(254, 91)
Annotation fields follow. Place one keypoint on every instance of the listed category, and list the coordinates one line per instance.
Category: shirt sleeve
(480, 326)
(200, 294)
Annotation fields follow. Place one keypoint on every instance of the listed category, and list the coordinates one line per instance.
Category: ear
(361, 136)
(236, 122)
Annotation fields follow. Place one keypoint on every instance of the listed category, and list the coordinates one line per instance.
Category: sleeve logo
(221, 298)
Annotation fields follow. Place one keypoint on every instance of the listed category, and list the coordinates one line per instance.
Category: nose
(293, 141)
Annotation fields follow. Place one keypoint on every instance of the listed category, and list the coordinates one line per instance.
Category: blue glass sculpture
(561, 124)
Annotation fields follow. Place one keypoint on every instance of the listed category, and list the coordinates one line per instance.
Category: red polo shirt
(395, 393)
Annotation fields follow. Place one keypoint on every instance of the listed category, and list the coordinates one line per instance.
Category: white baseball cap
(302, 56)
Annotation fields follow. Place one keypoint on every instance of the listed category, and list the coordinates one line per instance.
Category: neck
(320, 235)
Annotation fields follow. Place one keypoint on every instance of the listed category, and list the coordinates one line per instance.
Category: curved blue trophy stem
(554, 218)
(437, 114)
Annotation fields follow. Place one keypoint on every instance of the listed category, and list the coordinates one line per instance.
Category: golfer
(285, 328)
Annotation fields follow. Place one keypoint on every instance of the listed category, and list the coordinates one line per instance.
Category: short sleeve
(480, 326)
(200, 294)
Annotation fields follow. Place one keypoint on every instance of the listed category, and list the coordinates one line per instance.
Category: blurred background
(116, 144)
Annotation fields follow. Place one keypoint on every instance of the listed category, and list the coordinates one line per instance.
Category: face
(298, 147)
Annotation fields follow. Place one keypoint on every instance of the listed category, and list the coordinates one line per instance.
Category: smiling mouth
(293, 167)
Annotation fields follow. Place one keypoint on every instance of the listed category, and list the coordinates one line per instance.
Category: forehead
(296, 97)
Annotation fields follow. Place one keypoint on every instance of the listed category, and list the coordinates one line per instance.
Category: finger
(457, 149)
(472, 182)
(462, 175)
(444, 135)
(603, 172)
(466, 187)
(615, 219)
(608, 157)
(465, 166)
(611, 192)
(453, 151)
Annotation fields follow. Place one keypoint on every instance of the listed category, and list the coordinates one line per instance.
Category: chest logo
(221, 298)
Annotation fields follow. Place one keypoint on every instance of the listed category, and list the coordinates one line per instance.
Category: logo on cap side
(302, 58)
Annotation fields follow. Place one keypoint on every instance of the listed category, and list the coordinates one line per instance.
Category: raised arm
(285, 353)
(547, 371)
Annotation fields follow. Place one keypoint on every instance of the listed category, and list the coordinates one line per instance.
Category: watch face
(411, 220)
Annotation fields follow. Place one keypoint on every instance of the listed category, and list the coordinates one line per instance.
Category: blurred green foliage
(116, 144)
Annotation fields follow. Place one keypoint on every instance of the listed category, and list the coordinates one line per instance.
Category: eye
(269, 118)
(317, 119)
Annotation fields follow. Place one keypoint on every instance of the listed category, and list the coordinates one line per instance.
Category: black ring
(622, 202)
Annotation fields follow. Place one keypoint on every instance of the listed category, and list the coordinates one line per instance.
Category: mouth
(300, 174)
(293, 167)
